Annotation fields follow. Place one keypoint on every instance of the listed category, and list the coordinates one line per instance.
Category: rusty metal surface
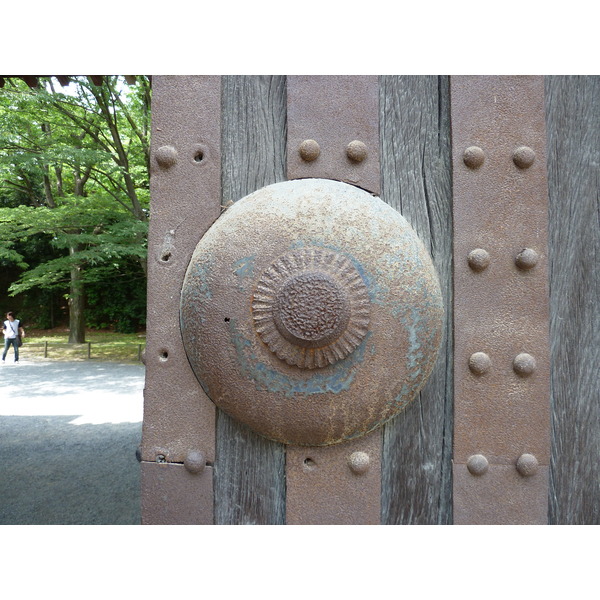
(337, 485)
(502, 407)
(185, 200)
(319, 108)
(500, 496)
(299, 242)
(311, 307)
(175, 495)
(333, 129)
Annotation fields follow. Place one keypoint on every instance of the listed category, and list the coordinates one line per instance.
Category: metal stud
(359, 462)
(479, 363)
(194, 462)
(526, 259)
(478, 259)
(356, 151)
(310, 464)
(524, 364)
(523, 157)
(473, 157)
(309, 150)
(527, 465)
(166, 156)
(477, 464)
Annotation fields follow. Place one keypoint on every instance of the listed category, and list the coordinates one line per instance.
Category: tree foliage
(74, 180)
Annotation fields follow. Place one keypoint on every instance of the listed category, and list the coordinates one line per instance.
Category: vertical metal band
(502, 372)
(333, 132)
(333, 129)
(178, 437)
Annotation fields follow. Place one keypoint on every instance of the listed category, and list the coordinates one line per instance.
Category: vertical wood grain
(250, 470)
(416, 180)
(573, 129)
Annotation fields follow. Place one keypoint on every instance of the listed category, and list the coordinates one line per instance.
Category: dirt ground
(68, 438)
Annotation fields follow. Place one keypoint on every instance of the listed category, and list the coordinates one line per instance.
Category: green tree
(74, 170)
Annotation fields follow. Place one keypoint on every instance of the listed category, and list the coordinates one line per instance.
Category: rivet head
(309, 464)
(523, 157)
(479, 363)
(359, 462)
(166, 156)
(527, 465)
(356, 151)
(473, 157)
(478, 259)
(526, 259)
(309, 150)
(477, 464)
(195, 461)
(524, 364)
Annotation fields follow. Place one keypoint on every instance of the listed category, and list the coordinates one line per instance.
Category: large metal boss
(311, 312)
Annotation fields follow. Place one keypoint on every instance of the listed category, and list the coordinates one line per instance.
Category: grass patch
(100, 345)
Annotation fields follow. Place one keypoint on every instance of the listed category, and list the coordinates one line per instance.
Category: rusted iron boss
(311, 312)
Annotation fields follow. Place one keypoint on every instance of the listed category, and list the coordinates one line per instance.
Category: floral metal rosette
(311, 308)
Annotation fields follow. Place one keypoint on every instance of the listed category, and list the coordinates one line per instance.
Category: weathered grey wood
(573, 129)
(416, 180)
(250, 470)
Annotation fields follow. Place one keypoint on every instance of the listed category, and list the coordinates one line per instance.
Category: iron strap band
(178, 437)
(333, 129)
(501, 310)
(333, 133)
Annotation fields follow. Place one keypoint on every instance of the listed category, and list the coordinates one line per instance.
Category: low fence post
(77, 347)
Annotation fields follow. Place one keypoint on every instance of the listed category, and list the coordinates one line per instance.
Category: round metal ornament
(311, 312)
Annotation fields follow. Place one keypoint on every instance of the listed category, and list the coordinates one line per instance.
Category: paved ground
(68, 436)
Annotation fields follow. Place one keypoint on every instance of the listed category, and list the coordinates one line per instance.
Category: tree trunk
(48, 188)
(77, 291)
(59, 181)
(80, 181)
(76, 303)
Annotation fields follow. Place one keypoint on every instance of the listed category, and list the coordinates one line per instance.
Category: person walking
(12, 332)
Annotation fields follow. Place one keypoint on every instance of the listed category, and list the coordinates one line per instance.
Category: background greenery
(101, 346)
(74, 199)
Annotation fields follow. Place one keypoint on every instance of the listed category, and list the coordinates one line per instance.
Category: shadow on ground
(68, 437)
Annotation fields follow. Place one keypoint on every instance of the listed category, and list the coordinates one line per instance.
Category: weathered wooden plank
(573, 128)
(416, 180)
(250, 470)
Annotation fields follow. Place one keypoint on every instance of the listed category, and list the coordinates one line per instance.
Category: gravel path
(68, 437)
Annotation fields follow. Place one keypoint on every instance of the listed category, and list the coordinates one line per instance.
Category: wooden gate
(246, 474)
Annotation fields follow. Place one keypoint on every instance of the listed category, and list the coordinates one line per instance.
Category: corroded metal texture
(185, 180)
(325, 269)
(337, 485)
(499, 494)
(333, 129)
(311, 307)
(342, 113)
(502, 406)
(174, 495)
